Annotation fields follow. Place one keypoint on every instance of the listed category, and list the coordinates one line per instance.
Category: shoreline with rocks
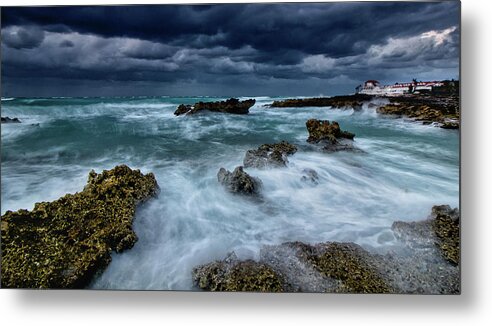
(443, 110)
(68, 242)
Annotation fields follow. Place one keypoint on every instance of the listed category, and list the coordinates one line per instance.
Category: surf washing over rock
(314, 205)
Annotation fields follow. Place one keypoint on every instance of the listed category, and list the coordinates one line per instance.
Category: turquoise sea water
(405, 168)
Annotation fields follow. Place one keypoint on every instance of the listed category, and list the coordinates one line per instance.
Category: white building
(373, 87)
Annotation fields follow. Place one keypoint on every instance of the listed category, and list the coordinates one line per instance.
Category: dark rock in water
(232, 105)
(450, 125)
(64, 243)
(310, 176)
(269, 155)
(338, 102)
(9, 120)
(231, 274)
(239, 182)
(182, 109)
(442, 229)
(330, 135)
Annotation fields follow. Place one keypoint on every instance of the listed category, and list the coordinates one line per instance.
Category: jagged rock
(64, 243)
(231, 274)
(269, 155)
(232, 105)
(239, 182)
(338, 102)
(9, 120)
(427, 109)
(329, 135)
(310, 176)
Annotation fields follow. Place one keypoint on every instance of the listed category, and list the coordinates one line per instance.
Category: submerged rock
(269, 155)
(232, 274)
(64, 243)
(310, 176)
(239, 182)
(9, 120)
(329, 135)
(232, 105)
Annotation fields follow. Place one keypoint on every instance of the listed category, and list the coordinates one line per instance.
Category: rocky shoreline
(442, 110)
(65, 243)
(417, 265)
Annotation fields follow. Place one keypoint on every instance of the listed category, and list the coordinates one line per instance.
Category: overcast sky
(228, 50)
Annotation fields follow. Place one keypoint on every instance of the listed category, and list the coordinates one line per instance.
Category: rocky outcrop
(269, 155)
(422, 262)
(239, 182)
(444, 111)
(232, 274)
(232, 105)
(337, 102)
(10, 120)
(64, 243)
(329, 135)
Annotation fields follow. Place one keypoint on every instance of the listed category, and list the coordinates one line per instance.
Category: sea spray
(404, 169)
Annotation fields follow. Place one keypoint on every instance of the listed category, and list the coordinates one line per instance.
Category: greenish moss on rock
(329, 135)
(233, 275)
(349, 263)
(64, 243)
(446, 226)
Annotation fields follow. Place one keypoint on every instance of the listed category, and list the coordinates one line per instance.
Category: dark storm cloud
(23, 37)
(220, 45)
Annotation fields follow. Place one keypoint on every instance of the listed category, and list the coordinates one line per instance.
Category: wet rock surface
(416, 264)
(329, 135)
(233, 106)
(232, 274)
(269, 155)
(338, 102)
(443, 110)
(239, 182)
(10, 120)
(64, 243)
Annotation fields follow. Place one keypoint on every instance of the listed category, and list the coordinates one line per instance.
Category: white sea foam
(403, 170)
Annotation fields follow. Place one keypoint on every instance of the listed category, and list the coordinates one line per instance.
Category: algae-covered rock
(442, 229)
(269, 155)
(231, 274)
(64, 243)
(232, 105)
(446, 225)
(239, 182)
(441, 110)
(329, 135)
(349, 263)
